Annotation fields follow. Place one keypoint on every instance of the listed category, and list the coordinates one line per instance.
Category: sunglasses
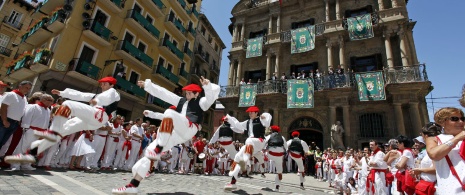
(455, 118)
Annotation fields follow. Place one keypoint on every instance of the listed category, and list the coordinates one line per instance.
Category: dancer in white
(276, 146)
(297, 150)
(176, 127)
(224, 136)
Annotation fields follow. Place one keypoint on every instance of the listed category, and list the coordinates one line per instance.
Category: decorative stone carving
(336, 135)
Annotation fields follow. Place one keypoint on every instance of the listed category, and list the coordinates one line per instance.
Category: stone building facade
(391, 50)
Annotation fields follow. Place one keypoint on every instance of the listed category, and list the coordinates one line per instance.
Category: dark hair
(431, 129)
(138, 119)
(405, 140)
(25, 83)
(126, 124)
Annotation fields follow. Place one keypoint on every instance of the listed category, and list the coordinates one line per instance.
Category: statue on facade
(336, 135)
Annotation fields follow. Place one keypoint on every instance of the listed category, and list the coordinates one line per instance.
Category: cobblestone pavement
(78, 182)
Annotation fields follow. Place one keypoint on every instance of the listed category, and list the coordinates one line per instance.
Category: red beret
(172, 107)
(253, 109)
(275, 128)
(192, 87)
(110, 80)
(3, 84)
(224, 117)
(295, 134)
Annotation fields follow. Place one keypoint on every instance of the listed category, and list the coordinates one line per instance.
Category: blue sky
(438, 37)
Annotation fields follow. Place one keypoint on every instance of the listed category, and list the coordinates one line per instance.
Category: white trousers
(97, 144)
(61, 155)
(50, 153)
(362, 182)
(254, 144)
(300, 166)
(135, 148)
(379, 185)
(24, 144)
(174, 158)
(120, 155)
(110, 151)
(230, 149)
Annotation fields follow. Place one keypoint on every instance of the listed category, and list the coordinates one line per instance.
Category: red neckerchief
(376, 151)
(116, 125)
(408, 150)
(42, 105)
(19, 93)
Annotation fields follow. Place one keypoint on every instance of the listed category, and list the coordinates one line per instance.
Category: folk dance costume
(136, 130)
(255, 128)
(224, 136)
(35, 118)
(276, 146)
(112, 142)
(88, 117)
(296, 151)
(176, 127)
(376, 180)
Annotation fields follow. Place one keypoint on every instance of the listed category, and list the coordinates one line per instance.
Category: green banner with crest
(254, 47)
(303, 39)
(247, 95)
(360, 27)
(370, 86)
(300, 94)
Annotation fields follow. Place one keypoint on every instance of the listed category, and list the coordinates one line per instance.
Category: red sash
(295, 155)
(371, 179)
(276, 153)
(128, 144)
(225, 143)
(37, 128)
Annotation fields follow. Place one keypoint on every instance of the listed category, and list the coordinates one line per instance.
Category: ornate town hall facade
(391, 51)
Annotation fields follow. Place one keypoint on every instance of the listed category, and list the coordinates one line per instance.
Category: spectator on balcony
(340, 77)
(242, 82)
(274, 77)
(332, 79)
(250, 82)
(302, 75)
(283, 77)
(34, 3)
(299, 76)
(293, 75)
(318, 79)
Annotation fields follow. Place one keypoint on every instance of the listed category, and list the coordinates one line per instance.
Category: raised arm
(154, 115)
(211, 95)
(265, 119)
(74, 95)
(438, 152)
(236, 126)
(159, 92)
(215, 136)
(107, 97)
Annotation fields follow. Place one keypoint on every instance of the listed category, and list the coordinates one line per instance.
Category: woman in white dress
(448, 146)
(82, 147)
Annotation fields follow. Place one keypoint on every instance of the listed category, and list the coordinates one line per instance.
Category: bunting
(360, 27)
(254, 47)
(370, 86)
(247, 95)
(303, 39)
(300, 94)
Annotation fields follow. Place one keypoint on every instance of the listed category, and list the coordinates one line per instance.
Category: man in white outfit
(112, 141)
(297, 150)
(176, 127)
(224, 136)
(276, 146)
(137, 135)
(377, 177)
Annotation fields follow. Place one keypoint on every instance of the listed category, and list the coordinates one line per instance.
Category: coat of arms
(300, 93)
(370, 85)
(302, 39)
(247, 95)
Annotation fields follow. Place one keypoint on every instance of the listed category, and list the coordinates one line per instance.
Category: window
(202, 30)
(216, 47)
(134, 77)
(161, 63)
(302, 24)
(210, 39)
(257, 34)
(15, 18)
(170, 68)
(371, 125)
(358, 12)
(367, 63)
(120, 70)
(53, 44)
(186, 46)
(207, 57)
(4, 40)
(149, 19)
(142, 47)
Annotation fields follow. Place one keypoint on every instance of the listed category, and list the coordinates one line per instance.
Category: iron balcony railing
(173, 48)
(5, 51)
(15, 24)
(22, 63)
(136, 53)
(129, 87)
(168, 74)
(405, 74)
(87, 69)
(158, 3)
(100, 30)
(144, 23)
(117, 3)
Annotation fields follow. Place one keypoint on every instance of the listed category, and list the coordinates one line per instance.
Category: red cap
(192, 87)
(275, 128)
(110, 80)
(224, 117)
(295, 134)
(3, 84)
(172, 107)
(253, 109)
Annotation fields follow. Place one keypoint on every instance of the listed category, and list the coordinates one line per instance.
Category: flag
(300, 94)
(303, 39)
(247, 95)
(254, 47)
(370, 86)
(360, 27)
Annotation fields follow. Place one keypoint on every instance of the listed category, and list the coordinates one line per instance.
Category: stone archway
(310, 130)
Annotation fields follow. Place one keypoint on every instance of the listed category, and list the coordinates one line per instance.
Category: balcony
(393, 14)
(99, 33)
(138, 22)
(188, 52)
(286, 36)
(41, 61)
(167, 74)
(16, 25)
(194, 12)
(201, 55)
(132, 54)
(5, 52)
(407, 74)
(239, 45)
(57, 21)
(170, 49)
(156, 6)
(180, 8)
(215, 69)
(175, 26)
(47, 6)
(183, 73)
(19, 69)
(191, 32)
(37, 34)
(159, 102)
(85, 71)
(128, 87)
(114, 5)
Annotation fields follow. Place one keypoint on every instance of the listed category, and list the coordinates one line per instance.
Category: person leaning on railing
(447, 151)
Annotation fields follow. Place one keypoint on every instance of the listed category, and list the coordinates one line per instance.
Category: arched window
(371, 125)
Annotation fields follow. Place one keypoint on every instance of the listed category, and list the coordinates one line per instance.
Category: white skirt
(82, 146)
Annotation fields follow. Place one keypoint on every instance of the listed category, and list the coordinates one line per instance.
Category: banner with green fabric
(303, 39)
(247, 95)
(360, 27)
(370, 86)
(254, 47)
(300, 94)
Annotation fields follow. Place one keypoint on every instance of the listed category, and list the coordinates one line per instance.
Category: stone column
(330, 55)
(348, 134)
(387, 45)
(270, 25)
(268, 66)
(331, 121)
(415, 115)
(242, 32)
(399, 118)
(276, 117)
(342, 58)
(413, 48)
(338, 10)
(235, 33)
(276, 67)
(381, 5)
(231, 73)
(239, 73)
(327, 10)
(394, 4)
(403, 48)
(278, 24)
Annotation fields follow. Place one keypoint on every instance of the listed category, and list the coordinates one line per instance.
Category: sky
(438, 36)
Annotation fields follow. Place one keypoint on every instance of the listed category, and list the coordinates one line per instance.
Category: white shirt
(447, 183)
(136, 130)
(347, 163)
(426, 162)
(378, 158)
(216, 135)
(410, 160)
(36, 116)
(116, 130)
(16, 105)
(103, 99)
(304, 144)
(242, 126)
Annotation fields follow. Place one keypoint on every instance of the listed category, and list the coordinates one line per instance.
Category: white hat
(419, 139)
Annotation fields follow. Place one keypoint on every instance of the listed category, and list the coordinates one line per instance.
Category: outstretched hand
(55, 91)
(204, 81)
(141, 84)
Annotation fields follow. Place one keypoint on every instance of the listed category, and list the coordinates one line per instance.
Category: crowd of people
(69, 134)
